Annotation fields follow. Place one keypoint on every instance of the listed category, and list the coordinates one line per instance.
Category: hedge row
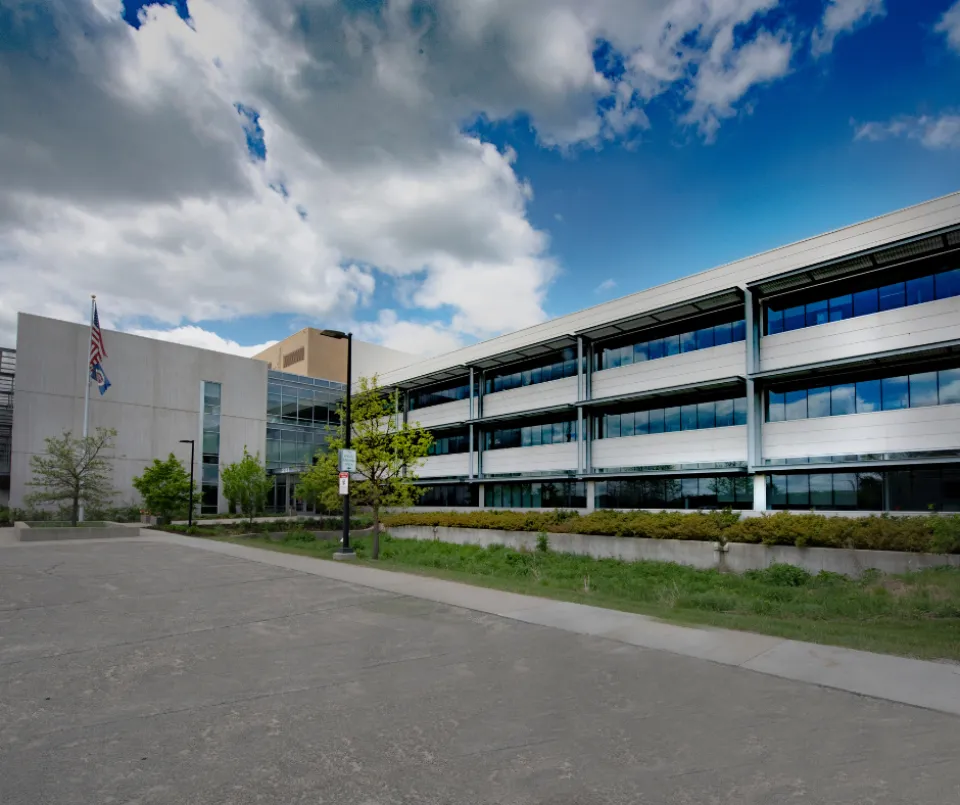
(925, 534)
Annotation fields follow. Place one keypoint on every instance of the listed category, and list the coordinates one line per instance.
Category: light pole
(191, 442)
(345, 550)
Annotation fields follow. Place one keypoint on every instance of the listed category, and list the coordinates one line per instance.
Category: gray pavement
(153, 672)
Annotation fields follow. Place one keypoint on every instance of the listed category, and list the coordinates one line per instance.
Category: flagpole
(86, 374)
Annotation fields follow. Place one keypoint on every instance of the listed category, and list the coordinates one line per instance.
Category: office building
(821, 375)
(162, 393)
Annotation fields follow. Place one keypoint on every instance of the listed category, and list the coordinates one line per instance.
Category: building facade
(823, 375)
(8, 370)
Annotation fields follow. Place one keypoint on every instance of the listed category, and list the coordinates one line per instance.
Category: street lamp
(190, 513)
(345, 550)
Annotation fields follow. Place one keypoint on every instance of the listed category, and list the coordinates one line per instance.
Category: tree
(246, 481)
(165, 487)
(73, 471)
(388, 454)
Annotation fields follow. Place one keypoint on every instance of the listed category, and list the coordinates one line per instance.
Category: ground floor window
(536, 495)
(915, 489)
(696, 492)
(450, 495)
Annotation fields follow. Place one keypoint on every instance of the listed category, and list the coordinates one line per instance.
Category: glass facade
(692, 416)
(696, 492)
(917, 390)
(437, 395)
(556, 432)
(536, 495)
(448, 442)
(450, 495)
(727, 332)
(210, 451)
(916, 489)
(543, 370)
(782, 318)
(301, 416)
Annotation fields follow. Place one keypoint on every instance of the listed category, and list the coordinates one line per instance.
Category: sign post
(347, 460)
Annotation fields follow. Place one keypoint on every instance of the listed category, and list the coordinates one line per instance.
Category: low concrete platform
(25, 533)
(170, 670)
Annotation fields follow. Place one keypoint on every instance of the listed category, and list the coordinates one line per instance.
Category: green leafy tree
(73, 471)
(165, 488)
(246, 481)
(388, 454)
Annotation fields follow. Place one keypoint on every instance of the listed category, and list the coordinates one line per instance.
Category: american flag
(97, 351)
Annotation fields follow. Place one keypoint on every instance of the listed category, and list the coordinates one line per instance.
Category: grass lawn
(915, 614)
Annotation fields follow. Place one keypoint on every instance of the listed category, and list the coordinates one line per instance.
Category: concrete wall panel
(684, 447)
(527, 398)
(530, 459)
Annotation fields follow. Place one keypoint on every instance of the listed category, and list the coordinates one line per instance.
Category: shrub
(299, 535)
(923, 534)
(780, 575)
(543, 542)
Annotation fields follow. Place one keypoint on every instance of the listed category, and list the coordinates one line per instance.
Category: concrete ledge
(25, 533)
(736, 556)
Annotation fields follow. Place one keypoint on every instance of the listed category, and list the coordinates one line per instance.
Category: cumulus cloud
(194, 336)
(949, 26)
(931, 131)
(128, 168)
(843, 17)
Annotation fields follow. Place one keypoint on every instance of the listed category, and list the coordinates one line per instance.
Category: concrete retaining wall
(737, 557)
(26, 534)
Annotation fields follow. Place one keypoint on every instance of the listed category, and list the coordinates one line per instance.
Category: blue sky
(692, 175)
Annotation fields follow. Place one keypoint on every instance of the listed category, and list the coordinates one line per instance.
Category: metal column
(754, 400)
(470, 430)
(580, 398)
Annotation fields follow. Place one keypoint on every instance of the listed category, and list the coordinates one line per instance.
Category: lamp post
(345, 552)
(191, 442)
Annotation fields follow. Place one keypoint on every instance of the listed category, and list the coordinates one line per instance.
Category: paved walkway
(924, 684)
(162, 671)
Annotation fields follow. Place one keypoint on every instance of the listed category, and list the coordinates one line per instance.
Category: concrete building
(162, 393)
(8, 368)
(311, 353)
(821, 375)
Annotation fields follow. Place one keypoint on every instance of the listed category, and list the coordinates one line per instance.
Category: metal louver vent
(784, 284)
(953, 238)
(846, 267)
(714, 302)
(909, 250)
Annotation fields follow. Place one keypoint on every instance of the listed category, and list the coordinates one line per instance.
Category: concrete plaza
(155, 672)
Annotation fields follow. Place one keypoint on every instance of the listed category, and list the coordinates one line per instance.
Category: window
(917, 390)
(894, 392)
(865, 302)
(438, 395)
(818, 402)
(696, 492)
(463, 495)
(920, 290)
(892, 296)
(693, 416)
(795, 404)
(612, 357)
(949, 382)
(817, 313)
(210, 452)
(794, 318)
(536, 434)
(548, 495)
(914, 489)
(841, 307)
(868, 396)
(943, 285)
(923, 389)
(555, 367)
(843, 399)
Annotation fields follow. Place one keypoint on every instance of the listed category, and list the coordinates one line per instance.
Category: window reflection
(654, 349)
(694, 416)
(865, 396)
(943, 285)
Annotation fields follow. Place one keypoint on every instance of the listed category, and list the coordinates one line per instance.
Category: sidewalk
(931, 685)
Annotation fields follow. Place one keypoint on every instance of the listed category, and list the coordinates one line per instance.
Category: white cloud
(417, 338)
(931, 131)
(194, 336)
(843, 17)
(126, 170)
(607, 285)
(949, 26)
